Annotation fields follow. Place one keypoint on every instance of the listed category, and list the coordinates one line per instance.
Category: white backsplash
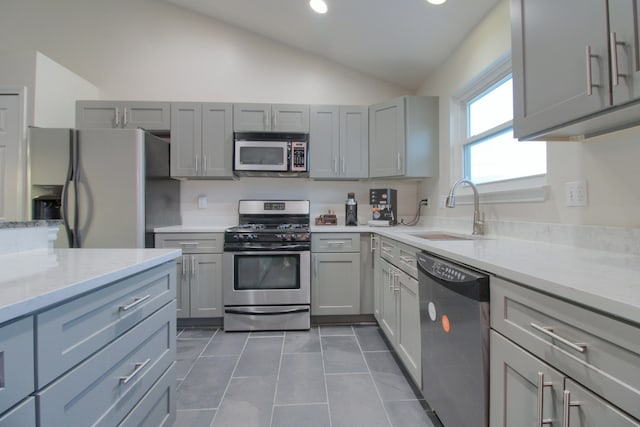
(605, 238)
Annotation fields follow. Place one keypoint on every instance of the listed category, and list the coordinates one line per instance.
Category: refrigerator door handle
(65, 194)
(76, 180)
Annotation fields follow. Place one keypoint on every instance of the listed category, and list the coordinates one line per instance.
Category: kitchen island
(88, 335)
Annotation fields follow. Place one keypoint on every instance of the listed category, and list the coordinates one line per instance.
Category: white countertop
(33, 280)
(192, 229)
(605, 281)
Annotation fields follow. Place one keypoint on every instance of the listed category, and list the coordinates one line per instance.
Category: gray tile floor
(330, 376)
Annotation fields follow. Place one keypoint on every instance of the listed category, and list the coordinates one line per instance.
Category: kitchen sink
(439, 235)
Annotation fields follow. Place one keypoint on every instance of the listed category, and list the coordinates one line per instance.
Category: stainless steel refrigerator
(110, 186)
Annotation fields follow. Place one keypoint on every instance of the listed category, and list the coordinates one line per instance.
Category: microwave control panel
(298, 156)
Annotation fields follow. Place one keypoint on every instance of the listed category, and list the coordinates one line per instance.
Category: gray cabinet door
(183, 301)
(516, 377)
(386, 138)
(389, 315)
(186, 139)
(592, 410)
(290, 118)
(550, 40)
(335, 283)
(146, 115)
(16, 362)
(409, 337)
(251, 117)
(217, 140)
(98, 114)
(324, 141)
(377, 279)
(354, 142)
(623, 25)
(206, 285)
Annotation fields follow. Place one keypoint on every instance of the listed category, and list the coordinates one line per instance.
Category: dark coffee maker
(46, 207)
(351, 210)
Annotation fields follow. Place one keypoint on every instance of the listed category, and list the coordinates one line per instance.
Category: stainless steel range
(266, 272)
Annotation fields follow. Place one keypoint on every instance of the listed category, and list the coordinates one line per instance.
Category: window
(490, 154)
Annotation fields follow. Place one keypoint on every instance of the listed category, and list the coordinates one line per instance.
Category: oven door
(266, 278)
(261, 156)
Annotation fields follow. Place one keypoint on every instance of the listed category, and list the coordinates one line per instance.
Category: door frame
(23, 150)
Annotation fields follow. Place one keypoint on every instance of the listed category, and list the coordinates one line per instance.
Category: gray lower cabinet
(525, 391)
(23, 415)
(377, 278)
(199, 272)
(398, 303)
(403, 137)
(590, 366)
(335, 277)
(16, 369)
(201, 140)
(271, 118)
(123, 115)
(339, 140)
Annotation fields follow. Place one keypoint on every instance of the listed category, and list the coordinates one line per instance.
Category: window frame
(522, 189)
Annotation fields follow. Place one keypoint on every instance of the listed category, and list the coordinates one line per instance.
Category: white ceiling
(398, 41)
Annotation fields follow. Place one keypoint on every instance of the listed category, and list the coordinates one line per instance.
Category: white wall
(608, 163)
(149, 49)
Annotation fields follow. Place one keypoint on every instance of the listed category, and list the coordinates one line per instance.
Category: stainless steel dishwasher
(454, 322)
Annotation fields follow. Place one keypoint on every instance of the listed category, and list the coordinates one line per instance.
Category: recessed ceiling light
(319, 6)
(436, 2)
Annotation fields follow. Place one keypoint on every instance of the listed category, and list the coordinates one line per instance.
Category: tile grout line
(324, 372)
(229, 382)
(275, 391)
(197, 357)
(384, 408)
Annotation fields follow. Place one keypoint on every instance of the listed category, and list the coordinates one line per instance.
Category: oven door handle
(266, 313)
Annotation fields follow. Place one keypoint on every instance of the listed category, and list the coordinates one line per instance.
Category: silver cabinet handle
(335, 165)
(193, 265)
(590, 84)
(396, 287)
(275, 119)
(344, 166)
(125, 118)
(541, 385)
(374, 243)
(399, 164)
(548, 331)
(407, 259)
(184, 267)
(117, 118)
(336, 243)
(315, 266)
(191, 244)
(566, 408)
(136, 301)
(137, 368)
(615, 76)
(197, 163)
(204, 164)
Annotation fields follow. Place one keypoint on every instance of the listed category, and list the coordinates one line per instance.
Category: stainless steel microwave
(270, 153)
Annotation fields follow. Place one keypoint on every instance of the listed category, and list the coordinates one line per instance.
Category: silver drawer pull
(580, 347)
(193, 244)
(135, 302)
(408, 259)
(335, 243)
(138, 367)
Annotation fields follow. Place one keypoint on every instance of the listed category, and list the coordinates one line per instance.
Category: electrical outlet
(425, 202)
(575, 193)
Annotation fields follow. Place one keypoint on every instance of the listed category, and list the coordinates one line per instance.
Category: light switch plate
(202, 202)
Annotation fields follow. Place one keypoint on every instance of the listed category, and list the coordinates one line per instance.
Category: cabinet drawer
(191, 243)
(158, 407)
(335, 242)
(401, 255)
(16, 362)
(103, 389)
(611, 356)
(22, 415)
(389, 249)
(73, 331)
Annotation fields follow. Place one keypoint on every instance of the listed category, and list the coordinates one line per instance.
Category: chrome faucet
(478, 224)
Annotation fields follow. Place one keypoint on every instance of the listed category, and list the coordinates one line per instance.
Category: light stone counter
(33, 280)
(193, 229)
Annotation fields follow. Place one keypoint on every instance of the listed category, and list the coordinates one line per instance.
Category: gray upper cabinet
(124, 115)
(271, 118)
(339, 141)
(403, 137)
(567, 75)
(202, 140)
